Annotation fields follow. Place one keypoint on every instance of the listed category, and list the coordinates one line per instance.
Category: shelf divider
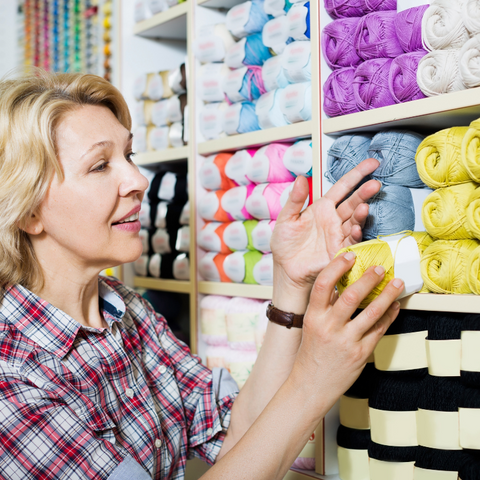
(178, 286)
(235, 290)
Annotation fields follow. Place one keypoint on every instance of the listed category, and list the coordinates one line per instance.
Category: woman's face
(90, 218)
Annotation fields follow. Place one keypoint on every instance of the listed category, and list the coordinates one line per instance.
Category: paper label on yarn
(406, 262)
(233, 84)
(418, 196)
(354, 413)
(236, 54)
(174, 110)
(353, 464)
(276, 32)
(208, 239)
(138, 113)
(235, 167)
(140, 266)
(258, 166)
(175, 80)
(268, 110)
(406, 4)
(140, 139)
(470, 351)
(139, 86)
(161, 217)
(393, 428)
(263, 270)
(308, 450)
(157, 6)
(293, 102)
(185, 215)
(155, 88)
(297, 18)
(436, 429)
(207, 268)
(209, 47)
(235, 236)
(469, 419)
(161, 241)
(271, 71)
(234, 267)
(296, 61)
(231, 119)
(274, 7)
(211, 121)
(380, 470)
(159, 113)
(140, 10)
(261, 236)
(210, 82)
(233, 202)
(166, 190)
(182, 243)
(158, 138)
(209, 174)
(286, 193)
(212, 321)
(241, 326)
(144, 237)
(175, 135)
(256, 204)
(237, 18)
(181, 267)
(444, 357)
(423, 474)
(298, 158)
(209, 206)
(144, 215)
(154, 265)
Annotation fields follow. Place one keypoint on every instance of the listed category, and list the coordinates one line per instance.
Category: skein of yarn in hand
(402, 77)
(338, 93)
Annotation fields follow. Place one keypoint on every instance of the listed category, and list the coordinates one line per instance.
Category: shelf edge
(141, 28)
(178, 286)
(261, 292)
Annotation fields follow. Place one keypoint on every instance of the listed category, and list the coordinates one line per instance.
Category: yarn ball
(241, 317)
(439, 158)
(473, 212)
(445, 325)
(471, 16)
(402, 77)
(338, 94)
(408, 27)
(395, 150)
(436, 460)
(264, 202)
(338, 43)
(380, 5)
(213, 325)
(389, 454)
(469, 61)
(473, 271)
(210, 267)
(376, 37)
(370, 84)
(212, 173)
(210, 237)
(210, 208)
(346, 153)
(375, 252)
(471, 150)
(345, 8)
(234, 202)
(238, 235)
(443, 265)
(439, 72)
(235, 169)
(238, 266)
(353, 439)
(444, 212)
(267, 165)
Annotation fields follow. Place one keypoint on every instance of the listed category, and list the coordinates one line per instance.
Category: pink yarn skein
(370, 85)
(338, 43)
(275, 171)
(402, 78)
(267, 206)
(338, 96)
(345, 8)
(376, 36)
(408, 26)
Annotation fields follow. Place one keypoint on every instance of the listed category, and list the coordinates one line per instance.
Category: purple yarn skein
(338, 43)
(376, 37)
(345, 8)
(338, 97)
(370, 85)
(402, 78)
(408, 26)
(380, 5)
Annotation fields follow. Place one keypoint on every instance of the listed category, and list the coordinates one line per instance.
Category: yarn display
(246, 18)
(276, 34)
(439, 158)
(402, 77)
(473, 271)
(249, 235)
(163, 241)
(210, 82)
(210, 208)
(181, 267)
(266, 166)
(296, 102)
(338, 94)
(296, 62)
(251, 267)
(298, 158)
(212, 173)
(471, 16)
(299, 19)
(175, 108)
(249, 50)
(268, 110)
(408, 28)
(210, 120)
(244, 83)
(342, 8)
(212, 43)
(469, 61)
(210, 267)
(273, 74)
(471, 150)
(264, 201)
(236, 170)
(240, 118)
(241, 315)
(395, 150)
(338, 43)
(235, 200)
(213, 325)
(210, 237)
(216, 356)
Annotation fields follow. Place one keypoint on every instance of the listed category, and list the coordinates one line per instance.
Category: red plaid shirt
(75, 402)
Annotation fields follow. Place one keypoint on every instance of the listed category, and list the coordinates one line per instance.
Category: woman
(93, 383)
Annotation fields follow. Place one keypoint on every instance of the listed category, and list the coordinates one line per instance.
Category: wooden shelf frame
(235, 290)
(149, 283)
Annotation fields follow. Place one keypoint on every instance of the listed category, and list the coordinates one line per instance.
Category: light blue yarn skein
(395, 150)
(256, 53)
(346, 153)
(248, 118)
(391, 210)
(257, 18)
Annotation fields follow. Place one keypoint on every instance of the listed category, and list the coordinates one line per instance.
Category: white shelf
(160, 156)
(433, 302)
(260, 137)
(169, 24)
(432, 114)
(178, 286)
(235, 290)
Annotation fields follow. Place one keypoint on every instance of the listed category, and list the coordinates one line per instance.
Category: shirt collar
(50, 327)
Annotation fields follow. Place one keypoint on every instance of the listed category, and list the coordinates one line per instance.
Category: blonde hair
(31, 107)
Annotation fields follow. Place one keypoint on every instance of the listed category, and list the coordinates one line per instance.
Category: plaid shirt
(75, 402)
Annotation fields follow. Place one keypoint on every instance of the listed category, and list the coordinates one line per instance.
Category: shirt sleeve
(42, 438)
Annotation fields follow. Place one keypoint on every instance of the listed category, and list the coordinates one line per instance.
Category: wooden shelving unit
(235, 290)
(178, 286)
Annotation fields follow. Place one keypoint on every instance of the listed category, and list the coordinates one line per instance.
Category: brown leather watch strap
(284, 319)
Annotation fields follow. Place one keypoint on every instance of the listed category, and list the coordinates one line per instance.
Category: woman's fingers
(362, 195)
(296, 200)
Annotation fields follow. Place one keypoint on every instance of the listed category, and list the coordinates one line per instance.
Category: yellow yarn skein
(471, 150)
(439, 158)
(473, 271)
(444, 212)
(443, 265)
(473, 213)
(376, 252)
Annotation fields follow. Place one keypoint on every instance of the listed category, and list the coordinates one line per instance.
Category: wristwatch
(284, 319)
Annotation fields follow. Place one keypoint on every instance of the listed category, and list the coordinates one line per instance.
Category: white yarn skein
(443, 27)
(471, 15)
(469, 60)
(438, 72)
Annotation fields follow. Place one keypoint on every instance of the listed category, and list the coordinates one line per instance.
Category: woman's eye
(130, 156)
(101, 168)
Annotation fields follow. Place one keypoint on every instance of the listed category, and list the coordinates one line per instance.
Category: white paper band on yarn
(233, 202)
(208, 239)
(235, 167)
(256, 203)
(353, 464)
(275, 8)
(207, 268)
(175, 135)
(212, 43)
(157, 138)
(231, 119)
(140, 139)
(174, 109)
(437, 429)
(182, 243)
(406, 4)
(144, 237)
(423, 474)
(161, 241)
(155, 265)
(268, 110)
(354, 413)
(209, 174)
(175, 80)
(396, 429)
(159, 113)
(276, 33)
(210, 82)
(258, 166)
(261, 236)
(236, 54)
(237, 18)
(297, 18)
(211, 120)
(296, 102)
(469, 427)
(419, 195)
(155, 87)
(234, 267)
(140, 12)
(470, 351)
(296, 61)
(298, 158)
(380, 470)
(469, 62)
(232, 84)
(140, 265)
(444, 357)
(181, 267)
(235, 236)
(273, 74)
(405, 351)
(263, 270)
(208, 206)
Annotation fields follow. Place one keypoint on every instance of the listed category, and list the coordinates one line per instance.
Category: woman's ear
(33, 225)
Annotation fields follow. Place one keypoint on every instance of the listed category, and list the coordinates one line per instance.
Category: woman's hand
(304, 243)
